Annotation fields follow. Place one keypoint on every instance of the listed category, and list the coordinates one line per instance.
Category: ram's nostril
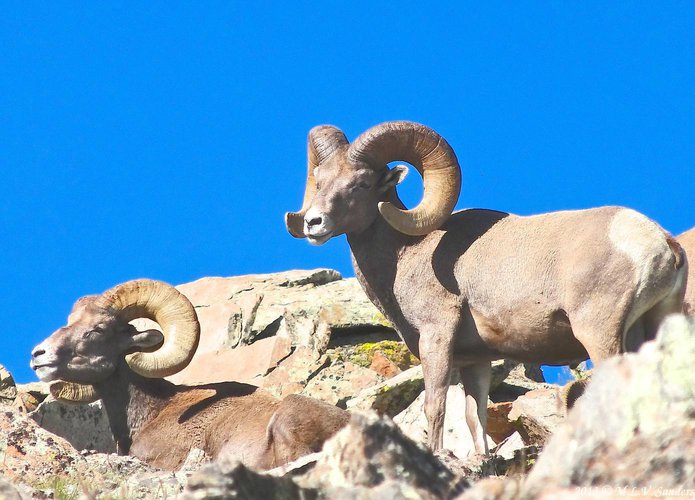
(38, 352)
(315, 221)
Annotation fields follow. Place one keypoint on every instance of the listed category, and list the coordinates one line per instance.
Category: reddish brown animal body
(100, 355)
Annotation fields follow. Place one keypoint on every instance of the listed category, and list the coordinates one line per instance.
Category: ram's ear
(146, 340)
(393, 177)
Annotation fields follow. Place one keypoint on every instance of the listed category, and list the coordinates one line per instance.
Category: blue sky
(167, 139)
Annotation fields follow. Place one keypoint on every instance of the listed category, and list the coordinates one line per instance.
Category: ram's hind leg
(476, 384)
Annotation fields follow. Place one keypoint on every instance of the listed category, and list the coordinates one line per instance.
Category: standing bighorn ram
(687, 241)
(479, 285)
(99, 355)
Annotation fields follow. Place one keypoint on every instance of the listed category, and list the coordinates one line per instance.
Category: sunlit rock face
(635, 424)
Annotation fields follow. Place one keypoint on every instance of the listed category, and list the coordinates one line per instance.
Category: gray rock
(310, 308)
(85, 426)
(371, 452)
(339, 382)
(8, 388)
(391, 396)
(635, 425)
(228, 480)
(33, 458)
(537, 414)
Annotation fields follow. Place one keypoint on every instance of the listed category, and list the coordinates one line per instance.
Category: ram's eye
(364, 185)
(90, 333)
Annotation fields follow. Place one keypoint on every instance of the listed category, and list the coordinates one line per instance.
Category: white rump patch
(642, 241)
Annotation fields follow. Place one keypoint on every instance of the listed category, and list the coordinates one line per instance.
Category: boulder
(536, 414)
(634, 427)
(371, 458)
(391, 396)
(8, 388)
(340, 382)
(250, 323)
(292, 373)
(234, 480)
(30, 395)
(85, 426)
(499, 426)
(35, 459)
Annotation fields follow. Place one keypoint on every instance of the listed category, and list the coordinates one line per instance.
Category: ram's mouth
(46, 372)
(319, 239)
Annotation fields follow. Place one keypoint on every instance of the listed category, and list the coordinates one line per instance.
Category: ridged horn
(72, 392)
(323, 141)
(430, 154)
(169, 308)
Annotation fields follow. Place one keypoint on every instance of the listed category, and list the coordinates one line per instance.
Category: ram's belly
(528, 334)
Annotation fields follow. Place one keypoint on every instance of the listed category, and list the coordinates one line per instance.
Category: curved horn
(322, 143)
(72, 392)
(174, 313)
(430, 154)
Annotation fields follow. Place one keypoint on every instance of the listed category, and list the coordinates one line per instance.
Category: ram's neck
(376, 253)
(131, 401)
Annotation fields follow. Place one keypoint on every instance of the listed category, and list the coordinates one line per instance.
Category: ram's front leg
(476, 385)
(436, 359)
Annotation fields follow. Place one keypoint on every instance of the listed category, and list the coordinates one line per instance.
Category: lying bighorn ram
(687, 241)
(479, 285)
(100, 355)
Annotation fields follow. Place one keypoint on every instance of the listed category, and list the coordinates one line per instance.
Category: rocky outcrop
(37, 463)
(8, 389)
(313, 333)
(86, 426)
(635, 425)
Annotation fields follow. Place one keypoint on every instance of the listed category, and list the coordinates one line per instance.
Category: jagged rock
(391, 396)
(234, 480)
(8, 388)
(537, 414)
(309, 308)
(31, 454)
(499, 427)
(635, 424)
(370, 456)
(294, 372)
(30, 395)
(457, 437)
(113, 476)
(85, 426)
(340, 381)
(35, 458)
(509, 446)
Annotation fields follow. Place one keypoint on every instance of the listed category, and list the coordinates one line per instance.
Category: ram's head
(348, 185)
(99, 336)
